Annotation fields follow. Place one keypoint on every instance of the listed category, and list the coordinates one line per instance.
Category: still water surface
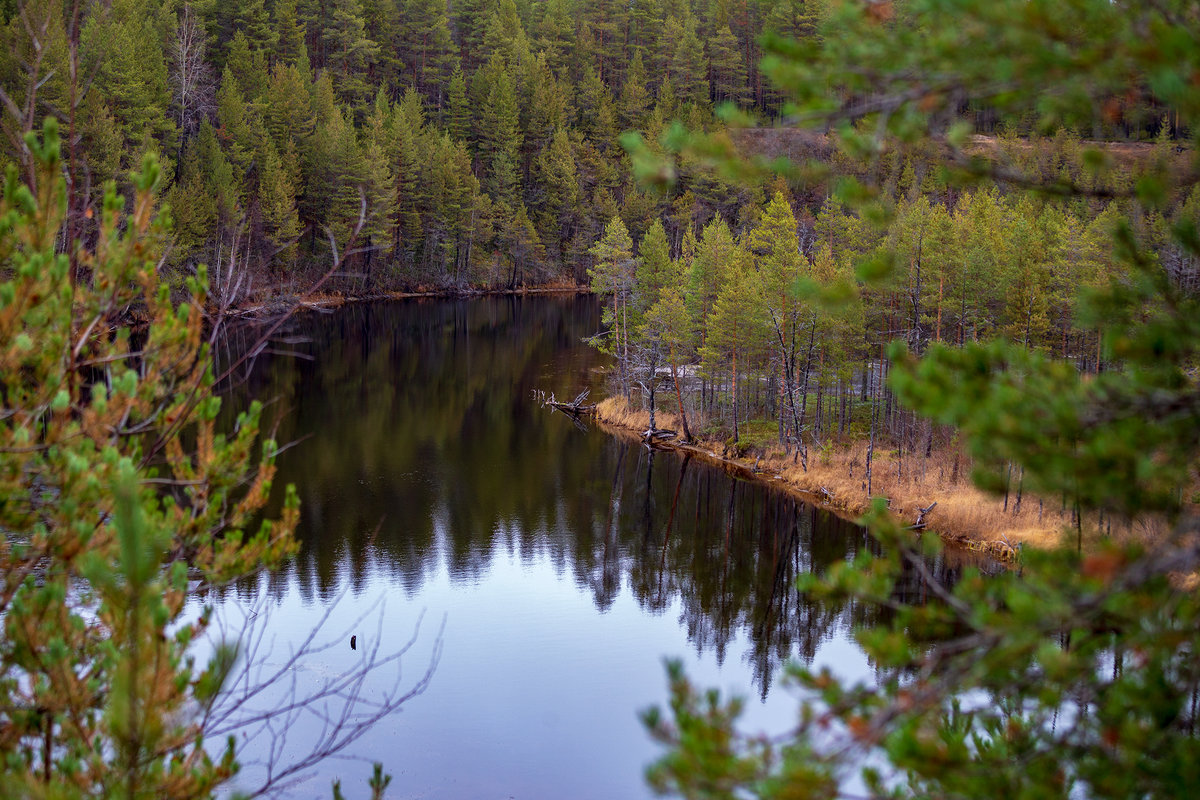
(555, 568)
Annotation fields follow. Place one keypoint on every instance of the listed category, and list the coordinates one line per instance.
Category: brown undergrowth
(836, 479)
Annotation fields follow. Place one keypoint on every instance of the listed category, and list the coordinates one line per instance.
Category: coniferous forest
(477, 144)
(903, 249)
(368, 146)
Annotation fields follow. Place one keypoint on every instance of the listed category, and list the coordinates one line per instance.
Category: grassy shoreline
(320, 300)
(965, 516)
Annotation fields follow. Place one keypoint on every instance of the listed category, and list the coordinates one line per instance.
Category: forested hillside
(474, 143)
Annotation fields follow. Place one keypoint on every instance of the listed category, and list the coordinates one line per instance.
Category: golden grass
(615, 411)
(836, 479)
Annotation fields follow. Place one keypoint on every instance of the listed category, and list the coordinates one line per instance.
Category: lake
(555, 568)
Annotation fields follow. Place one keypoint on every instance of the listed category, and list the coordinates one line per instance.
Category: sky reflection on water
(563, 565)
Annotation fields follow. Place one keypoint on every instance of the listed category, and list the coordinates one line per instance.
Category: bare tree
(192, 82)
(276, 694)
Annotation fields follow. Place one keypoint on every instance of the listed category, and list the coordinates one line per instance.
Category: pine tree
(100, 688)
(635, 99)
(431, 55)
(379, 186)
(193, 211)
(656, 270)
(1044, 648)
(337, 184)
(500, 139)
(793, 328)
(594, 109)
(728, 72)
(542, 108)
(458, 113)
(409, 155)
(249, 18)
(350, 52)
(524, 246)
(555, 34)
(290, 41)
(128, 46)
(556, 182)
(716, 249)
(277, 200)
(237, 124)
(613, 275)
(645, 28)
(735, 333)
(503, 33)
(288, 107)
(668, 322)
(688, 66)
(248, 66)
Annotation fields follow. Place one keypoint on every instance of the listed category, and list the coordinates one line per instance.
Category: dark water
(555, 568)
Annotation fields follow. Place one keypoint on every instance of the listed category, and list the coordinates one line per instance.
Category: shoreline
(961, 513)
(314, 301)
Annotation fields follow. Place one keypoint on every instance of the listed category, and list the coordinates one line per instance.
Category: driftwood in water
(919, 525)
(653, 434)
(574, 409)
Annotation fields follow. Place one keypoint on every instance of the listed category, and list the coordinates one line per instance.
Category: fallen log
(919, 525)
(575, 408)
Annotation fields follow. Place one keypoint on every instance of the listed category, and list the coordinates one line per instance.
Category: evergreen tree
(128, 46)
(349, 52)
(728, 72)
(248, 66)
(237, 123)
(689, 66)
(555, 34)
(99, 686)
(735, 331)
(656, 270)
(277, 199)
(613, 275)
(500, 138)
(431, 55)
(290, 39)
(556, 182)
(1011, 684)
(458, 113)
(635, 99)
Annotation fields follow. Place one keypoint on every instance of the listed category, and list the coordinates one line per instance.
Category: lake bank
(432, 481)
(964, 515)
(328, 300)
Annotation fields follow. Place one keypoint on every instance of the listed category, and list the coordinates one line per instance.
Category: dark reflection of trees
(425, 450)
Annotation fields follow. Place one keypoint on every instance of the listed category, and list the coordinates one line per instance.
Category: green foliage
(1074, 676)
(378, 784)
(116, 489)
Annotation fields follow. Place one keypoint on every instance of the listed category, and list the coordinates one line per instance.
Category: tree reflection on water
(423, 448)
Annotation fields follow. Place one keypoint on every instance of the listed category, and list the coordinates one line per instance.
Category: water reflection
(429, 474)
(420, 443)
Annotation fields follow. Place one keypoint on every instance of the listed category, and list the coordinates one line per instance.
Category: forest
(444, 147)
(361, 147)
(958, 239)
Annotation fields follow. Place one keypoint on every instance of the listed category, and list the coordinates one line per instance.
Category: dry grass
(836, 479)
(615, 411)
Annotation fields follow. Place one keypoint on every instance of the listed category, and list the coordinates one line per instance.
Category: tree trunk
(687, 433)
